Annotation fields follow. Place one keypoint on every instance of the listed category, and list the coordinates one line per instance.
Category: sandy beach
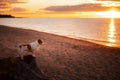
(63, 58)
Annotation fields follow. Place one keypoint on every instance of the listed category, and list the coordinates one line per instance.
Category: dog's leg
(20, 54)
(33, 54)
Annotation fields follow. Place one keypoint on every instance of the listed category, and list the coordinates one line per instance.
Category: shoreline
(80, 33)
(63, 58)
(94, 41)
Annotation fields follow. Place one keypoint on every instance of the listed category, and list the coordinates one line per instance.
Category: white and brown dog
(31, 47)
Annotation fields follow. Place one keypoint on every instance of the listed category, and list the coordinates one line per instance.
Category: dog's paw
(33, 55)
(21, 58)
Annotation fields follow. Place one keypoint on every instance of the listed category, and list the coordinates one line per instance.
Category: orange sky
(61, 8)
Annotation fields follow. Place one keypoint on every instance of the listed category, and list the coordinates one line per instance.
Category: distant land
(6, 16)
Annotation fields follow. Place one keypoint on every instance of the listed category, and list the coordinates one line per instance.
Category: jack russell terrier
(31, 47)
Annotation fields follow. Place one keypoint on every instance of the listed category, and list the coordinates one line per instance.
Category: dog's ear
(40, 41)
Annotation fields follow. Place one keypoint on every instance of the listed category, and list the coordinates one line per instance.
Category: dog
(30, 47)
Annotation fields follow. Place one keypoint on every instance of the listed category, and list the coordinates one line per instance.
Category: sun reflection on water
(111, 34)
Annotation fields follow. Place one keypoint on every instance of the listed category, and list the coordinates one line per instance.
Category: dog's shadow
(28, 59)
(16, 69)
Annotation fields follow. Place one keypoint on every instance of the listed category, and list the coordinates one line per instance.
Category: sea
(105, 31)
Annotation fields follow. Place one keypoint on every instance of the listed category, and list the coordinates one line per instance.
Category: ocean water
(98, 30)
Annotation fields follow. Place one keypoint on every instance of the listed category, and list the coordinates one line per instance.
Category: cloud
(83, 7)
(107, 0)
(13, 10)
(4, 5)
(11, 1)
(17, 10)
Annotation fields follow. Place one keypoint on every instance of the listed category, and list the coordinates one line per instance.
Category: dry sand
(63, 58)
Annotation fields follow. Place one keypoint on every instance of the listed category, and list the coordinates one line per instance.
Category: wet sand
(63, 58)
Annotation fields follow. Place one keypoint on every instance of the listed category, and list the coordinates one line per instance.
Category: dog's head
(40, 41)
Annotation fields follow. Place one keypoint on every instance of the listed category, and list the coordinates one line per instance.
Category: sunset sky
(61, 8)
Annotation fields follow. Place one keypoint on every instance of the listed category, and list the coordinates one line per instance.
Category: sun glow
(113, 13)
(112, 34)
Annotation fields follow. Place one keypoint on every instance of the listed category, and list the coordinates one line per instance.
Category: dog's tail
(19, 50)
